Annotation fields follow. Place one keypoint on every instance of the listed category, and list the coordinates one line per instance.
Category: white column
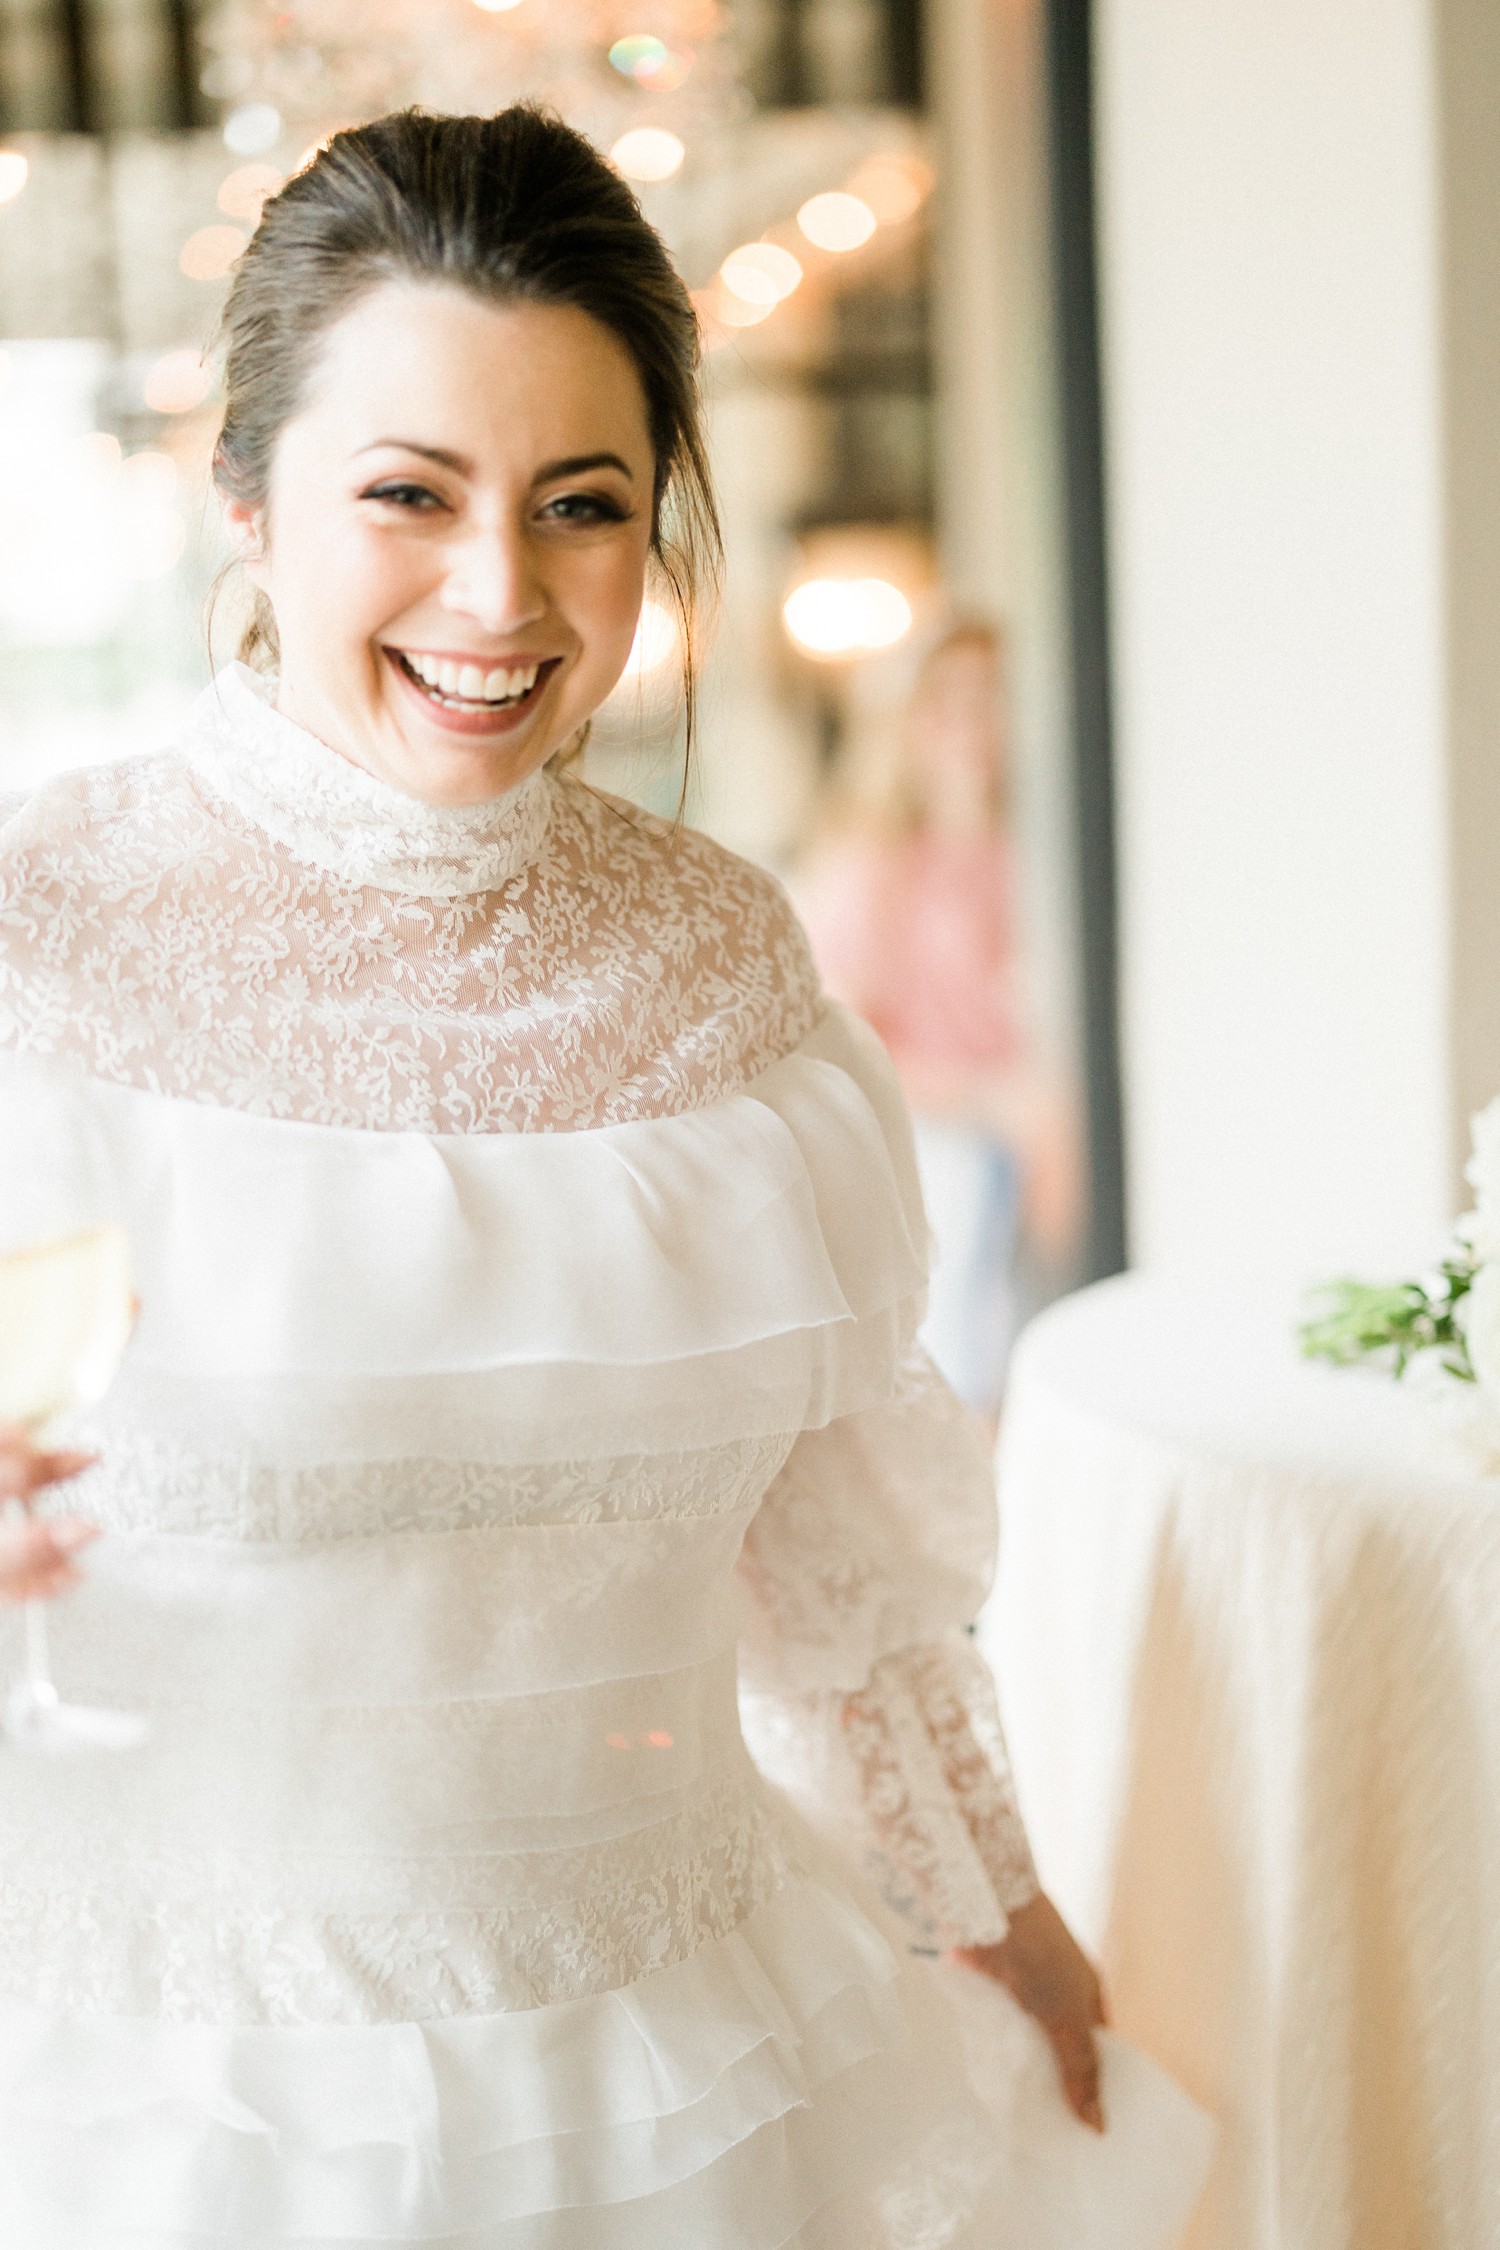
(998, 471)
(1468, 48)
(1300, 205)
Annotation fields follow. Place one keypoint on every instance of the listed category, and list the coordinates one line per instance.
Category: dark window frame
(1070, 101)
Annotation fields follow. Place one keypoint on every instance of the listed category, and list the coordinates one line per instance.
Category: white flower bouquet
(1443, 1328)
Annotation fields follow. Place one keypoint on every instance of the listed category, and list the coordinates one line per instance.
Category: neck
(455, 779)
(331, 811)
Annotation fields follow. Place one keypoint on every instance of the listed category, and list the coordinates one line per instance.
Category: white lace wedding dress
(530, 1264)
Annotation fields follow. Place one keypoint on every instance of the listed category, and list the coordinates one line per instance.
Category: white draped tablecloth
(1247, 1628)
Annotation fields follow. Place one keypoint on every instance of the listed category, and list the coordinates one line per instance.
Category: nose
(493, 579)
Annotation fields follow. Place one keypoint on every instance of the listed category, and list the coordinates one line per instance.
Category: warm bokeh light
(14, 171)
(176, 383)
(497, 7)
(648, 152)
(209, 254)
(151, 489)
(737, 312)
(760, 273)
(657, 641)
(97, 453)
(893, 187)
(638, 54)
(245, 190)
(650, 62)
(252, 128)
(836, 221)
(833, 617)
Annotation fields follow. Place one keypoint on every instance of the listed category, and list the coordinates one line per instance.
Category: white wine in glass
(66, 1312)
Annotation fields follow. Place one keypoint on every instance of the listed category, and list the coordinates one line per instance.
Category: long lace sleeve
(863, 1694)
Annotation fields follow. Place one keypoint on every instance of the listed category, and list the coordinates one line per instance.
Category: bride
(530, 1262)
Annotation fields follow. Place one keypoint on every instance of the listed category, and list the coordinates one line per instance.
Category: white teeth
(468, 683)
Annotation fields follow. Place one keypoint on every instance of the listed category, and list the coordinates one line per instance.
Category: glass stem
(38, 1657)
(38, 1654)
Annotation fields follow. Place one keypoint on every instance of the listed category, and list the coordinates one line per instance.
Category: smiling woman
(451, 450)
(524, 1458)
(452, 603)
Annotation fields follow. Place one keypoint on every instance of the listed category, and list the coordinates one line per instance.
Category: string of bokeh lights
(828, 618)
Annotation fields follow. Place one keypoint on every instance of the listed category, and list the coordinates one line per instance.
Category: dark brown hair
(517, 208)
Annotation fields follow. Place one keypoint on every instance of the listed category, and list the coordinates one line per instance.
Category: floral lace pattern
(911, 1773)
(924, 1739)
(154, 930)
(146, 1482)
(829, 1561)
(870, 1553)
(203, 1941)
(360, 828)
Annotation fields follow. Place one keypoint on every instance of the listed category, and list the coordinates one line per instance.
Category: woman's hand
(1043, 1968)
(36, 1558)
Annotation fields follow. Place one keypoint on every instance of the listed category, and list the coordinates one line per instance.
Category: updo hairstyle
(517, 208)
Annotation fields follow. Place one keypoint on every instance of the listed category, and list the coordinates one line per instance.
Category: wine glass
(65, 1316)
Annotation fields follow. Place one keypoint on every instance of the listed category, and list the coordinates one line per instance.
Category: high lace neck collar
(331, 814)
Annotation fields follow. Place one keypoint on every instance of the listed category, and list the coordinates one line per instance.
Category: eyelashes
(581, 508)
(403, 494)
(586, 507)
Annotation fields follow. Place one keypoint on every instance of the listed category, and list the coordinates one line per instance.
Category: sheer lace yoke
(331, 814)
(249, 920)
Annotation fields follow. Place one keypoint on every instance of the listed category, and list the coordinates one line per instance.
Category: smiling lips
(457, 686)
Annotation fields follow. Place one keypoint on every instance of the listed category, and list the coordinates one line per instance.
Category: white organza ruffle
(729, 2099)
(794, 2086)
(313, 1293)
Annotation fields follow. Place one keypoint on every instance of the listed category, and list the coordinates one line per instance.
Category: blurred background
(881, 710)
(1103, 404)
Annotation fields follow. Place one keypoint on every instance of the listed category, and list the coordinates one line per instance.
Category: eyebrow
(575, 465)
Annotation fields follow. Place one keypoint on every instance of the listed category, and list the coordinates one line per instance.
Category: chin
(444, 775)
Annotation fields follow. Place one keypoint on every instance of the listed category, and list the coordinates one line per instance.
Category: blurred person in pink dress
(909, 896)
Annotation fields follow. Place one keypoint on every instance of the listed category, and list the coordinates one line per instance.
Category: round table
(1247, 1634)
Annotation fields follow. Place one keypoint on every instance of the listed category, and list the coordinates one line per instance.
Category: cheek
(613, 605)
(339, 581)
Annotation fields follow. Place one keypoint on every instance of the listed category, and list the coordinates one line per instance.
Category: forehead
(444, 367)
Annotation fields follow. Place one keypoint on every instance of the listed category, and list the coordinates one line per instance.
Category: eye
(585, 508)
(402, 493)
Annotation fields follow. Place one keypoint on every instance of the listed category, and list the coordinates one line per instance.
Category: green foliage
(1352, 1321)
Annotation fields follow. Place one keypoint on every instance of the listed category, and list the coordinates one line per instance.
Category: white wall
(1271, 250)
(997, 437)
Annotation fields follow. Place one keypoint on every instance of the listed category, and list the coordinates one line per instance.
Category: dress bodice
(524, 1403)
